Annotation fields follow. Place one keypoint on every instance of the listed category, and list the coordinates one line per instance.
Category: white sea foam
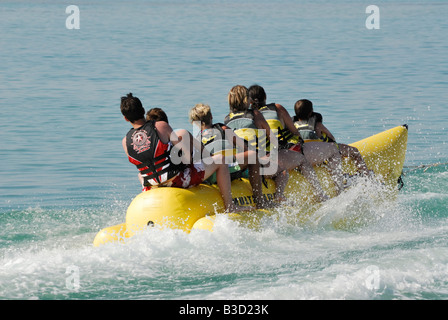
(277, 261)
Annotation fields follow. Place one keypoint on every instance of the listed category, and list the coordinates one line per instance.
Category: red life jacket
(151, 155)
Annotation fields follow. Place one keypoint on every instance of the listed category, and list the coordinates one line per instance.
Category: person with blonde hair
(243, 119)
(217, 138)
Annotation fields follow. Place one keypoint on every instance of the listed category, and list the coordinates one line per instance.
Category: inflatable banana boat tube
(188, 209)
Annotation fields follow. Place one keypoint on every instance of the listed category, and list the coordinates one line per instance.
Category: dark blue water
(63, 174)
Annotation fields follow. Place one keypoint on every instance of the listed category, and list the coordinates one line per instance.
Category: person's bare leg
(335, 168)
(289, 159)
(223, 182)
(281, 175)
(355, 155)
(281, 180)
(318, 152)
(249, 159)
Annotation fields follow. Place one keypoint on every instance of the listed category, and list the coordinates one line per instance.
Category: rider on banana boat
(152, 147)
(311, 128)
(280, 122)
(250, 125)
(217, 138)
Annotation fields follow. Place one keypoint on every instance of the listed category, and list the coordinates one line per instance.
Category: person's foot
(369, 174)
(233, 208)
(364, 172)
(348, 180)
(265, 205)
(323, 198)
(280, 199)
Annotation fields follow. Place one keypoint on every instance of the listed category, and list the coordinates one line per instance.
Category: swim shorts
(297, 147)
(192, 175)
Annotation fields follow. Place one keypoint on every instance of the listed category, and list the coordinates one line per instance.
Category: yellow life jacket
(215, 142)
(282, 134)
(243, 125)
(308, 132)
(306, 129)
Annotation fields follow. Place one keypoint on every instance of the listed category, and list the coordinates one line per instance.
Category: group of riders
(256, 140)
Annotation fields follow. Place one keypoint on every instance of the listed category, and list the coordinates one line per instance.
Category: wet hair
(237, 98)
(257, 96)
(132, 108)
(201, 112)
(303, 109)
(156, 114)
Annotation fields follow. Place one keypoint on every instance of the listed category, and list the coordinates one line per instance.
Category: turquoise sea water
(64, 176)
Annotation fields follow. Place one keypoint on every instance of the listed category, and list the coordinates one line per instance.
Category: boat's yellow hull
(193, 208)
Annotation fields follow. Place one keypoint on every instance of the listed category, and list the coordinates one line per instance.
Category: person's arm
(139, 176)
(234, 140)
(123, 142)
(181, 140)
(286, 119)
(164, 131)
(198, 145)
(320, 128)
(260, 122)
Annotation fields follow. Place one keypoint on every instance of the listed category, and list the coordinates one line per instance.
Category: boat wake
(363, 204)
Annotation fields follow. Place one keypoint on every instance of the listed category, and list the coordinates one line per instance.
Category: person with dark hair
(282, 126)
(156, 114)
(273, 113)
(154, 148)
(306, 121)
(244, 121)
(131, 108)
(311, 128)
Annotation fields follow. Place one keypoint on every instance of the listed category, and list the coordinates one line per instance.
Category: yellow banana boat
(194, 208)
